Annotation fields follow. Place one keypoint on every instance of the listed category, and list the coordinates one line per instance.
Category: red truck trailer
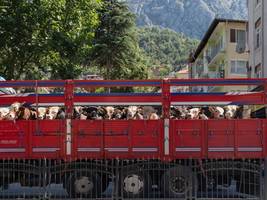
(134, 159)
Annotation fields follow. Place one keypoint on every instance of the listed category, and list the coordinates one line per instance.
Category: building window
(239, 67)
(258, 71)
(232, 35)
(257, 33)
(257, 2)
(235, 34)
(258, 40)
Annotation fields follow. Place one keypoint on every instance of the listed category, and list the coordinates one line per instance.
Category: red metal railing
(127, 159)
(164, 138)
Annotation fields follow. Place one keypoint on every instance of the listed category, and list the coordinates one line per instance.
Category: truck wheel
(105, 180)
(178, 182)
(3, 183)
(83, 184)
(135, 183)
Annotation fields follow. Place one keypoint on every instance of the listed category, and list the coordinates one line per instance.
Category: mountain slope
(165, 49)
(191, 17)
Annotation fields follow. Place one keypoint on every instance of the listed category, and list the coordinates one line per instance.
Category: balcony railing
(213, 51)
(213, 75)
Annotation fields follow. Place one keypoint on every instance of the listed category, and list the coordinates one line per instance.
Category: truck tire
(85, 184)
(178, 182)
(135, 183)
(3, 183)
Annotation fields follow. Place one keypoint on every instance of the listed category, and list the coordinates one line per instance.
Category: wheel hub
(178, 184)
(133, 184)
(83, 185)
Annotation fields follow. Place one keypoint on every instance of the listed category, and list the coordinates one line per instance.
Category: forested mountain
(166, 50)
(191, 17)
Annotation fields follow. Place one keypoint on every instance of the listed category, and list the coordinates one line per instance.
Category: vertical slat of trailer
(166, 115)
(265, 156)
(69, 92)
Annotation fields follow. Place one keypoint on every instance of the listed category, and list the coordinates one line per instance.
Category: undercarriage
(132, 179)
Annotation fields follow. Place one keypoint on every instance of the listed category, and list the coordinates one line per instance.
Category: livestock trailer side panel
(163, 158)
(14, 139)
(46, 139)
(187, 139)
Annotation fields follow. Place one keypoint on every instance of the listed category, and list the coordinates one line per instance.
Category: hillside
(191, 17)
(166, 50)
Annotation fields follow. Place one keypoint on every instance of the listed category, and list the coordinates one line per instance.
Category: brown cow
(25, 113)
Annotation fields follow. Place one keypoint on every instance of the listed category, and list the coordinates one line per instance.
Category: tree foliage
(167, 50)
(116, 51)
(45, 38)
(48, 39)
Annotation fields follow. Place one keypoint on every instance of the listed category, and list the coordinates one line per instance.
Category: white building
(257, 37)
(218, 55)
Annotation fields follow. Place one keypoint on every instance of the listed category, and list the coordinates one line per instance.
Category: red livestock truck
(133, 159)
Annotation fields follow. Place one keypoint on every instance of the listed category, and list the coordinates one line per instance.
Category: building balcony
(215, 52)
(213, 75)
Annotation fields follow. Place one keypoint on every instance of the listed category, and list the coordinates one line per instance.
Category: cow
(26, 113)
(51, 112)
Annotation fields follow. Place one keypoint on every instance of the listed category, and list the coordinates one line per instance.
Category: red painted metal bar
(69, 91)
(69, 98)
(116, 83)
(31, 99)
(256, 98)
(32, 83)
(132, 83)
(166, 98)
(94, 100)
(264, 129)
(225, 82)
(246, 99)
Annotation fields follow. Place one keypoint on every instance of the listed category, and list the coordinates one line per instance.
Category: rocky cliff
(191, 17)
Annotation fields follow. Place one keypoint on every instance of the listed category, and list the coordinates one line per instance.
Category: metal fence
(132, 179)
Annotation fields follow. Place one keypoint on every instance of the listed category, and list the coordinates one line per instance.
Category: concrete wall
(264, 33)
(231, 53)
(257, 56)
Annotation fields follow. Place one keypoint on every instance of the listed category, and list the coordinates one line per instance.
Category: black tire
(178, 182)
(30, 180)
(85, 184)
(105, 180)
(134, 183)
(3, 183)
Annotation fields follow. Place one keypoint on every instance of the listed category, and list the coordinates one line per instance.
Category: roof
(207, 35)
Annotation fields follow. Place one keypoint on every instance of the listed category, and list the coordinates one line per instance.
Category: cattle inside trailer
(125, 159)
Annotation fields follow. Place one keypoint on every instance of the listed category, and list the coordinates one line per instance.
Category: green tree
(45, 37)
(71, 36)
(116, 51)
(167, 50)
